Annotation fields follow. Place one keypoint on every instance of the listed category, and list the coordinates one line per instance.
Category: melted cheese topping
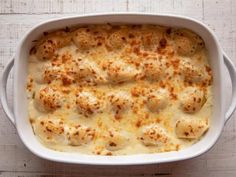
(119, 90)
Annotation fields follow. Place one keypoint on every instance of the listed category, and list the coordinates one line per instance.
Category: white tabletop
(18, 16)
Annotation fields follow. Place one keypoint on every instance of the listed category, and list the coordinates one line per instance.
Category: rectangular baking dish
(19, 116)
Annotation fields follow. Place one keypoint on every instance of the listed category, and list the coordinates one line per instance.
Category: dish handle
(3, 90)
(232, 72)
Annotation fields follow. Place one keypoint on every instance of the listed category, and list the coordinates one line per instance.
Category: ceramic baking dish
(19, 116)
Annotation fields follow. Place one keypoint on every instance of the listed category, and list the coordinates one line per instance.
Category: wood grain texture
(18, 16)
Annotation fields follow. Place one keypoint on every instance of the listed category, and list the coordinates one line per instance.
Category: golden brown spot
(138, 123)
(163, 43)
(109, 153)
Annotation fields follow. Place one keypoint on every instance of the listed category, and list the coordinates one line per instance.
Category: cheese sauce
(119, 89)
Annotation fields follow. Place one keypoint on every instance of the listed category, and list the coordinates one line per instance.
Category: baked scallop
(192, 99)
(154, 69)
(117, 39)
(150, 39)
(120, 102)
(119, 71)
(116, 140)
(154, 135)
(157, 100)
(50, 129)
(85, 72)
(83, 39)
(192, 73)
(47, 48)
(89, 72)
(48, 99)
(87, 103)
(190, 128)
(79, 135)
(52, 72)
(187, 43)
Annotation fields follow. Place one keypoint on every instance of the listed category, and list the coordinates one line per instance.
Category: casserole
(109, 90)
(20, 115)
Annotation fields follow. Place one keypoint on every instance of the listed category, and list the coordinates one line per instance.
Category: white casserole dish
(19, 116)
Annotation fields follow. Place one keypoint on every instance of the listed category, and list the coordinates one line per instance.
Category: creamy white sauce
(132, 119)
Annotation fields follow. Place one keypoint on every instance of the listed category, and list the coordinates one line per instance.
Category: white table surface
(18, 16)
